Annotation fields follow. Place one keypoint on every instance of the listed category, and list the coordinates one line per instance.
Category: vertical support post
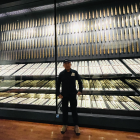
(55, 52)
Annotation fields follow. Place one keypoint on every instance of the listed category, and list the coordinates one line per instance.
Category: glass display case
(102, 42)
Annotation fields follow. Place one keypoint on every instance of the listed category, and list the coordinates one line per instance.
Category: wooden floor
(21, 130)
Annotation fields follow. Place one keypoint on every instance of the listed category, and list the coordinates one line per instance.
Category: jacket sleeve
(79, 82)
(58, 85)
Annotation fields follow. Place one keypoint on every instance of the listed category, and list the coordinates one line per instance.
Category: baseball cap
(66, 60)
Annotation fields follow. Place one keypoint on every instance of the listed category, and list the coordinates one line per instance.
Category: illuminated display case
(102, 42)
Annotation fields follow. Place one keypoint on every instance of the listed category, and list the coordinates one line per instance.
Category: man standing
(69, 93)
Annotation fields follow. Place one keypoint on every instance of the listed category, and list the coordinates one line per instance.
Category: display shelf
(106, 86)
(52, 77)
(7, 84)
(100, 87)
(131, 84)
(136, 99)
(102, 104)
(28, 101)
(35, 86)
(8, 70)
(85, 103)
(133, 65)
(86, 69)
(135, 83)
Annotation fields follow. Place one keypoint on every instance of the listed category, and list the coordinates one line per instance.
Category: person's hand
(60, 96)
(78, 93)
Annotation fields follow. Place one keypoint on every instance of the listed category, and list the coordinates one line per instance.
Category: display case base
(115, 122)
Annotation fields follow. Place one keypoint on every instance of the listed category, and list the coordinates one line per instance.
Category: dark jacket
(68, 82)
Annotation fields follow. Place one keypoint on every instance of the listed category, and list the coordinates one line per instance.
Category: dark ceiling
(7, 1)
(12, 5)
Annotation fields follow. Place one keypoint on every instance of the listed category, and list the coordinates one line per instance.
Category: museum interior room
(101, 38)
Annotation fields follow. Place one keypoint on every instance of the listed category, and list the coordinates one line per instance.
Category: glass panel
(27, 55)
(95, 39)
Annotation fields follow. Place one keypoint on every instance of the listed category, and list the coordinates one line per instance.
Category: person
(69, 93)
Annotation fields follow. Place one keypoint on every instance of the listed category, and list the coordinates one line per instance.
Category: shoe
(77, 130)
(64, 128)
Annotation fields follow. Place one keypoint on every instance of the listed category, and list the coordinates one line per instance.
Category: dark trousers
(73, 105)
